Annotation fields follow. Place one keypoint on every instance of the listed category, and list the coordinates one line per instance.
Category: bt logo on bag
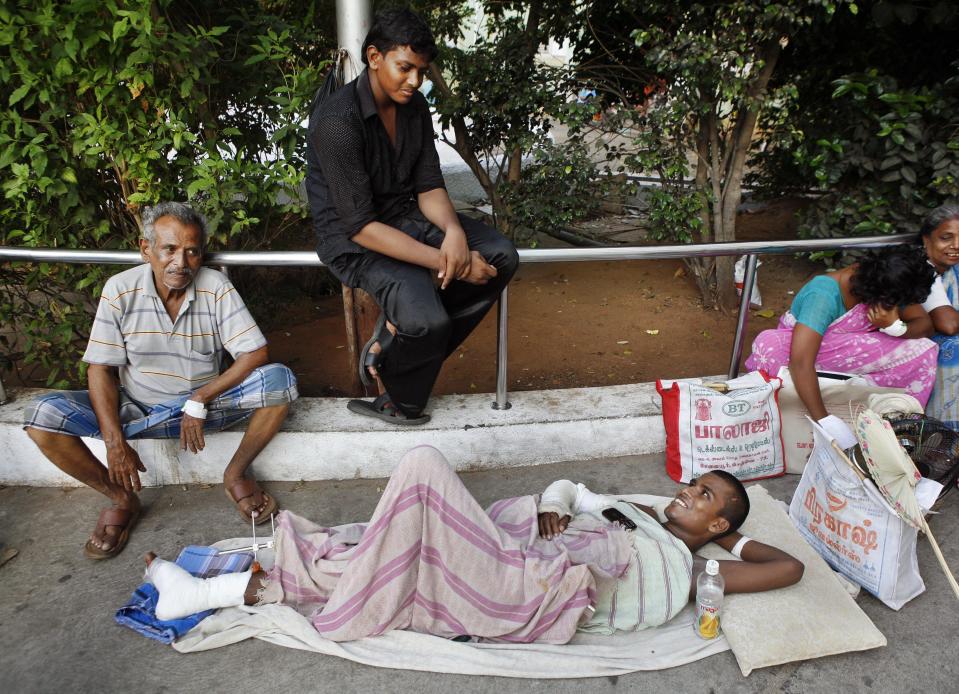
(736, 408)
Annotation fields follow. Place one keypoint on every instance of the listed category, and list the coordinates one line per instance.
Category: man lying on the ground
(154, 355)
(431, 560)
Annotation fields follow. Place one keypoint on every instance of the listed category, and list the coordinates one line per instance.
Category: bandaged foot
(182, 594)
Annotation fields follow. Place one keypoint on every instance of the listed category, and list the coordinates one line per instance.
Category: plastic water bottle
(709, 601)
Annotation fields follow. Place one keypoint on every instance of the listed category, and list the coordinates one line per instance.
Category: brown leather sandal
(244, 489)
(118, 517)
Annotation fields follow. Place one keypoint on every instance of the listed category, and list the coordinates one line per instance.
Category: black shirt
(354, 173)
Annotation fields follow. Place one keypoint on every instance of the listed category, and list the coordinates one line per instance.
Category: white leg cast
(182, 594)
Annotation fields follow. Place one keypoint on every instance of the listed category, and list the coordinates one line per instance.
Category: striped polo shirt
(160, 359)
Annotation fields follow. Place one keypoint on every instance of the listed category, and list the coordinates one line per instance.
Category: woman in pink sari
(864, 319)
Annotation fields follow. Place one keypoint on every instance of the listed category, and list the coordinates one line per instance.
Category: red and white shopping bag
(739, 431)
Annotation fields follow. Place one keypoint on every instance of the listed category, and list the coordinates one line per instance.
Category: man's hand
(455, 257)
(480, 272)
(191, 434)
(122, 464)
(550, 525)
(882, 317)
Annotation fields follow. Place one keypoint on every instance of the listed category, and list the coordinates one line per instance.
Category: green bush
(106, 106)
(561, 185)
(896, 156)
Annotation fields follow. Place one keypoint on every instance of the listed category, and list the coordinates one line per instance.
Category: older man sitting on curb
(154, 356)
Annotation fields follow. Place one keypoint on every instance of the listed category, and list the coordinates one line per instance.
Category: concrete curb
(321, 440)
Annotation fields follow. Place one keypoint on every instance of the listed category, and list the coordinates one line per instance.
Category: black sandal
(384, 409)
(373, 359)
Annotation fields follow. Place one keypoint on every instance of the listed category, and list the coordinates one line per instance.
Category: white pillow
(814, 618)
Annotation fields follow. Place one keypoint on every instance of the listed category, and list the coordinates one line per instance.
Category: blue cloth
(944, 401)
(139, 613)
(818, 303)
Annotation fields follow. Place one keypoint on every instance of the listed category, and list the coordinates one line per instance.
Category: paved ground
(57, 632)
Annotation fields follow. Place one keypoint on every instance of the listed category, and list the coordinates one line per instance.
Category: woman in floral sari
(864, 319)
(939, 236)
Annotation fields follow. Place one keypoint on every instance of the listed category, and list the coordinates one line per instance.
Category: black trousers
(430, 323)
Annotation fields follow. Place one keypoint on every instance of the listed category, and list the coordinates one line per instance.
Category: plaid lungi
(70, 412)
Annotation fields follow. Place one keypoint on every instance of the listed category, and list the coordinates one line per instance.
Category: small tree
(696, 118)
(895, 158)
(499, 100)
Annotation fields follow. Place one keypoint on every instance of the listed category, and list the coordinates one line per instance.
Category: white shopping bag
(852, 527)
(739, 279)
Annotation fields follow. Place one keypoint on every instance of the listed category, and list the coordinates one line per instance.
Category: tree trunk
(709, 178)
(727, 203)
(702, 269)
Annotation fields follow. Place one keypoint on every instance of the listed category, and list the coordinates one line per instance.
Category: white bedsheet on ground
(586, 656)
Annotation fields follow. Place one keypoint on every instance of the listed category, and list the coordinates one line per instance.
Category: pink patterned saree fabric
(432, 560)
(853, 345)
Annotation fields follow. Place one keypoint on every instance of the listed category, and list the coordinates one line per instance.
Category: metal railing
(751, 249)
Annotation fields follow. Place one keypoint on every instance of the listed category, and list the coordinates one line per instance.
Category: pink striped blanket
(431, 560)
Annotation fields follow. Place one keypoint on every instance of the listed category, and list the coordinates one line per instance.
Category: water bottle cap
(712, 567)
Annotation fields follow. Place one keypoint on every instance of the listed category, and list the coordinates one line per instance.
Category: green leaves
(111, 106)
(894, 161)
(120, 28)
(18, 94)
(561, 185)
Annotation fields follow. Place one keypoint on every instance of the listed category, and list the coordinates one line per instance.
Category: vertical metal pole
(353, 20)
(748, 281)
(502, 328)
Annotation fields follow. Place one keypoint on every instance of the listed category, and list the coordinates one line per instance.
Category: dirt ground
(575, 324)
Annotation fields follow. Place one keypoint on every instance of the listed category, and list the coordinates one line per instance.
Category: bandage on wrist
(897, 329)
(194, 409)
(737, 549)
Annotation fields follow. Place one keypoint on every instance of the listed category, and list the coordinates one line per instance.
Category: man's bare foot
(105, 537)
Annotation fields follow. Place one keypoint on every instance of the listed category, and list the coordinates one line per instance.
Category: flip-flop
(384, 409)
(372, 359)
(245, 488)
(119, 517)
